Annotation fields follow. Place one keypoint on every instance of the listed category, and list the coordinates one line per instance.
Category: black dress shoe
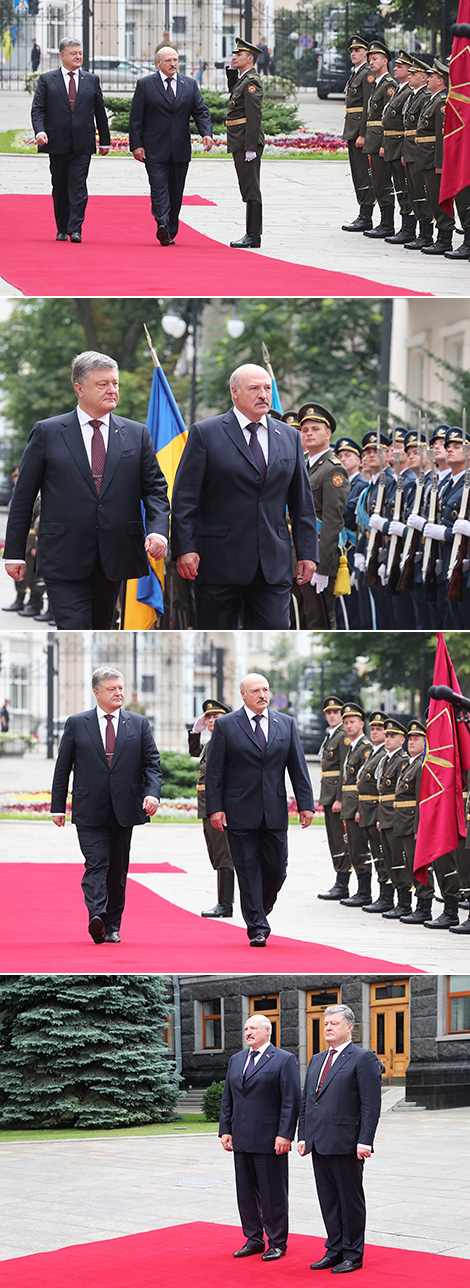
(112, 937)
(249, 1249)
(75, 237)
(61, 237)
(328, 1261)
(163, 235)
(258, 941)
(273, 1254)
(345, 1266)
(96, 929)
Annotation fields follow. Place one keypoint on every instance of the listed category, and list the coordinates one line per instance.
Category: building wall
(438, 1075)
(423, 330)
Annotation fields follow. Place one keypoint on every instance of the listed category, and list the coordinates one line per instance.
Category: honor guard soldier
(383, 90)
(442, 533)
(392, 152)
(330, 487)
(245, 138)
(414, 177)
(349, 453)
(217, 843)
(358, 91)
(430, 154)
(368, 808)
(332, 755)
(393, 764)
(373, 603)
(405, 823)
(357, 753)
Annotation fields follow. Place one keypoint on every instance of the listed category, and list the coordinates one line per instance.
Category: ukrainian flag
(144, 597)
(276, 403)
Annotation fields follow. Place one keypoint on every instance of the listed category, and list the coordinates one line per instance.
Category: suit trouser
(167, 180)
(218, 847)
(248, 174)
(397, 172)
(357, 847)
(381, 179)
(84, 605)
(264, 607)
(317, 608)
(260, 861)
(106, 852)
(69, 171)
(262, 1195)
(336, 840)
(360, 174)
(338, 1179)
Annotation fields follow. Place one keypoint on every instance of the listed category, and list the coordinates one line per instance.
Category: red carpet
(200, 1254)
(121, 256)
(43, 930)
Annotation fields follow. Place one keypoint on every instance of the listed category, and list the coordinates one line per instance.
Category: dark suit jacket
(75, 521)
(134, 773)
(69, 131)
(266, 1105)
(248, 785)
(219, 510)
(162, 128)
(347, 1109)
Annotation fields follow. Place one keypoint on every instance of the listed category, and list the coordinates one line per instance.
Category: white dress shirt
(66, 76)
(264, 722)
(103, 722)
(173, 79)
(262, 434)
(87, 430)
(256, 1054)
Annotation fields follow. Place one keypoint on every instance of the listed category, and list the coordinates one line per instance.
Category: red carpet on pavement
(43, 930)
(200, 1254)
(120, 256)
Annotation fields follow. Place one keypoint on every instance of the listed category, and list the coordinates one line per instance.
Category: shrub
(211, 1102)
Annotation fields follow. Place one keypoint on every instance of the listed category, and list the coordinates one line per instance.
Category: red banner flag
(456, 167)
(441, 807)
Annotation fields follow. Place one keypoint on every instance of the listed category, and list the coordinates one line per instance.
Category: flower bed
(302, 143)
(33, 805)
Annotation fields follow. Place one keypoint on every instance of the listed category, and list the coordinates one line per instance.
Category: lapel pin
(277, 431)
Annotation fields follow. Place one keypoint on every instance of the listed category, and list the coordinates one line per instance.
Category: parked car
(119, 73)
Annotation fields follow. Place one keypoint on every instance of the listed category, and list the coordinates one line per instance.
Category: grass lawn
(191, 1124)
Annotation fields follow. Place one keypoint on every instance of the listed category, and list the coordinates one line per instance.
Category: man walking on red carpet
(116, 784)
(258, 1117)
(337, 1124)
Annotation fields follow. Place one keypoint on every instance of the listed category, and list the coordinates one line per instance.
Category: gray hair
(346, 1011)
(67, 42)
(164, 49)
(89, 361)
(104, 673)
(237, 375)
(252, 675)
(265, 1021)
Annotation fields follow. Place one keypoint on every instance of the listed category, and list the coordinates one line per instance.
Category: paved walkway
(57, 1193)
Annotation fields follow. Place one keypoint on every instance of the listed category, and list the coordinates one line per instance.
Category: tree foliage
(84, 1051)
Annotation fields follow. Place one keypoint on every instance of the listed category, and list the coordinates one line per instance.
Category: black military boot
(340, 889)
(463, 929)
(448, 918)
(442, 243)
(225, 887)
(421, 913)
(386, 226)
(254, 223)
(385, 899)
(463, 251)
(362, 895)
(424, 237)
(34, 604)
(405, 233)
(17, 604)
(403, 906)
(363, 221)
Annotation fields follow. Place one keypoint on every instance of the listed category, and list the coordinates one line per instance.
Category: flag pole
(150, 345)
(267, 360)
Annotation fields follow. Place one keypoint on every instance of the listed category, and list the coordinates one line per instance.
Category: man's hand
(139, 154)
(207, 142)
(155, 546)
(219, 820)
(150, 805)
(305, 571)
(226, 1142)
(187, 565)
(360, 140)
(301, 1148)
(305, 817)
(58, 819)
(363, 1151)
(381, 152)
(336, 807)
(15, 570)
(282, 1145)
(42, 138)
(104, 151)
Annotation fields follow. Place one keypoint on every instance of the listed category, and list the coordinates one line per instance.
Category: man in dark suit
(237, 475)
(94, 469)
(337, 1124)
(65, 107)
(159, 135)
(248, 755)
(258, 1117)
(116, 784)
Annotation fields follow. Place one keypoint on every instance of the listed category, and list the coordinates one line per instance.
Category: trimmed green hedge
(179, 775)
(277, 117)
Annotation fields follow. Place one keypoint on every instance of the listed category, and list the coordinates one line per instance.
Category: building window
(212, 1024)
(317, 1003)
(458, 1004)
(148, 684)
(55, 27)
(268, 1006)
(18, 687)
(416, 359)
(179, 25)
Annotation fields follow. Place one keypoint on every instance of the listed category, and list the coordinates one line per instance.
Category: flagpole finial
(150, 345)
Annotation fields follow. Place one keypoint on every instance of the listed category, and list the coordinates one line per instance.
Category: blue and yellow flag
(276, 403)
(144, 597)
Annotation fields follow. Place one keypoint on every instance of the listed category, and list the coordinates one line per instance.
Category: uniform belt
(355, 109)
(330, 773)
(410, 134)
(241, 120)
(201, 787)
(368, 798)
(393, 134)
(373, 123)
(403, 804)
(350, 787)
(425, 138)
(386, 798)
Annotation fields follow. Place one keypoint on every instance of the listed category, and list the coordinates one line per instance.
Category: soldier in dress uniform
(349, 453)
(442, 533)
(383, 90)
(414, 178)
(357, 753)
(392, 150)
(245, 138)
(405, 824)
(373, 600)
(358, 91)
(368, 807)
(430, 154)
(393, 764)
(217, 842)
(332, 755)
(330, 487)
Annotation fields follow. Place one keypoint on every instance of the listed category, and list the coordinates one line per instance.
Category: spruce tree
(85, 1051)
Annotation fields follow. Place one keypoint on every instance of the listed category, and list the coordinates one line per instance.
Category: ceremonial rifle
(459, 551)
(393, 559)
(375, 538)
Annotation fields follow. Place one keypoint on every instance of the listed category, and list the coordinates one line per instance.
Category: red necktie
(98, 454)
(110, 739)
(326, 1069)
(72, 90)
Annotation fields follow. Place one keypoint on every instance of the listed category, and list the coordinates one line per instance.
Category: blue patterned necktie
(256, 449)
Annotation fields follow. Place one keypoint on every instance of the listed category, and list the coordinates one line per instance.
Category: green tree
(84, 1051)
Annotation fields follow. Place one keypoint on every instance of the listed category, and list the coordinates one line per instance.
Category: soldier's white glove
(354, 582)
(416, 521)
(436, 531)
(382, 572)
(359, 561)
(377, 522)
(397, 528)
(250, 156)
(319, 582)
(461, 528)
